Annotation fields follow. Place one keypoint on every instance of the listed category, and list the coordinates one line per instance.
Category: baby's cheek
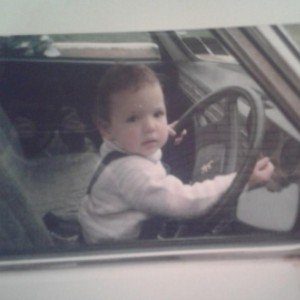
(130, 139)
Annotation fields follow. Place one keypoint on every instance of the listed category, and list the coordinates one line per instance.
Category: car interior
(48, 135)
(49, 148)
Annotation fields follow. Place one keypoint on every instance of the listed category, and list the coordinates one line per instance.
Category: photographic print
(127, 152)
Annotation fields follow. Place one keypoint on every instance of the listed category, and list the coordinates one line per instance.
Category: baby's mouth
(149, 142)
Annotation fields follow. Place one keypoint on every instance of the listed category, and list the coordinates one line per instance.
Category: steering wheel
(223, 212)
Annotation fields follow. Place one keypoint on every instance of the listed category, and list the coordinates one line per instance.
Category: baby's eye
(159, 113)
(131, 119)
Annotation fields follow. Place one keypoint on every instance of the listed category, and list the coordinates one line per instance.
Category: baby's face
(138, 122)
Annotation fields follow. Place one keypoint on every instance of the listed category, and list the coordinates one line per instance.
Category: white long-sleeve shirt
(131, 189)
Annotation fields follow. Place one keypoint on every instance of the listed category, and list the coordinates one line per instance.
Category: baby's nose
(149, 124)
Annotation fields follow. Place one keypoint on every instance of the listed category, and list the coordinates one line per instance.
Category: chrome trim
(291, 250)
(279, 53)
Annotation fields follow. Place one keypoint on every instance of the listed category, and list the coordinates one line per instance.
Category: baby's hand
(262, 172)
(177, 137)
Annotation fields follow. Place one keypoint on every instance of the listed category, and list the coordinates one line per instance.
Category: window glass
(87, 46)
(49, 144)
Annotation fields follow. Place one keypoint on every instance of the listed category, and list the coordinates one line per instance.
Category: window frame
(256, 50)
(275, 245)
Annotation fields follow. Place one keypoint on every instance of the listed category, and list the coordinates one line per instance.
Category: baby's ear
(104, 129)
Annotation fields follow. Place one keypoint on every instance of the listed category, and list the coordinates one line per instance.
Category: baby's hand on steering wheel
(177, 137)
(262, 172)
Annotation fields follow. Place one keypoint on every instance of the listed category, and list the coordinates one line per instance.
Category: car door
(254, 259)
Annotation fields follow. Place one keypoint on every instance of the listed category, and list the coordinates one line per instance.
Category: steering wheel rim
(217, 217)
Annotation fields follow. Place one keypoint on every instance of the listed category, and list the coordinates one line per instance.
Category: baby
(131, 117)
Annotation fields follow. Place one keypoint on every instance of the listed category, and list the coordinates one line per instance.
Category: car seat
(35, 186)
(20, 229)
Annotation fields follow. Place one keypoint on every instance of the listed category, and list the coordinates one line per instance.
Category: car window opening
(50, 144)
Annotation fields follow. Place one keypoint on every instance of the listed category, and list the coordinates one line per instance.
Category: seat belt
(107, 160)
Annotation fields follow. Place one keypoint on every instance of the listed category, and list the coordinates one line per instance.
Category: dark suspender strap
(107, 159)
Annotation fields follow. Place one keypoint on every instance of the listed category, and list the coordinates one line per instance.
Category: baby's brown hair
(119, 78)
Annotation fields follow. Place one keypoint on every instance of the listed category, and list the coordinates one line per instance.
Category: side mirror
(263, 209)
